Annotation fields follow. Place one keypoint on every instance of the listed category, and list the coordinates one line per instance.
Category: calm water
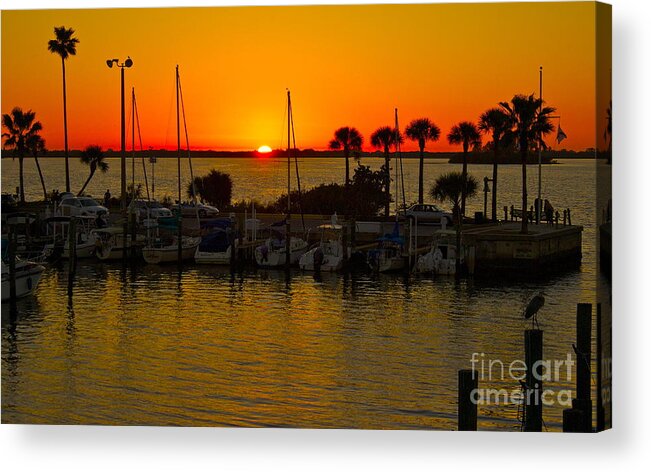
(151, 346)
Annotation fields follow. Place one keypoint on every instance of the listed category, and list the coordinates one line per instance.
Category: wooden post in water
(133, 236)
(601, 416)
(533, 352)
(572, 420)
(583, 347)
(467, 408)
(72, 254)
(11, 253)
(344, 240)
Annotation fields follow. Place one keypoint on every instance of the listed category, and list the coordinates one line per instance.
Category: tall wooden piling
(11, 254)
(583, 375)
(533, 354)
(72, 254)
(573, 420)
(132, 222)
(601, 416)
(467, 408)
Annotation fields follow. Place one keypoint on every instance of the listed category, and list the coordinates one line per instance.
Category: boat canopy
(217, 223)
(215, 242)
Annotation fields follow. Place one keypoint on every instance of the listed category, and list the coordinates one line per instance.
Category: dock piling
(572, 420)
(601, 416)
(72, 254)
(11, 254)
(533, 354)
(467, 408)
(583, 375)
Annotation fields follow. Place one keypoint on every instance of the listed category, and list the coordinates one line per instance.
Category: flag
(560, 136)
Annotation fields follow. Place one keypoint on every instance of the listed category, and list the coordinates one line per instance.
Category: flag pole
(539, 202)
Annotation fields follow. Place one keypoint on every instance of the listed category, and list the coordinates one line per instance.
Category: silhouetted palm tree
(466, 134)
(383, 138)
(450, 188)
(93, 157)
(422, 130)
(36, 145)
(349, 140)
(21, 129)
(531, 122)
(64, 45)
(497, 124)
(608, 132)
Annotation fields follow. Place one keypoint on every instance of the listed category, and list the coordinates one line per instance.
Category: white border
(69, 448)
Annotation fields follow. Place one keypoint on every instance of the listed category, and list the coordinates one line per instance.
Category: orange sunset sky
(345, 65)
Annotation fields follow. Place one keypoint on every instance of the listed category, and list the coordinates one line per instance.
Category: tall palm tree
(36, 145)
(383, 138)
(65, 45)
(93, 157)
(349, 140)
(450, 188)
(20, 131)
(497, 124)
(466, 134)
(531, 122)
(422, 130)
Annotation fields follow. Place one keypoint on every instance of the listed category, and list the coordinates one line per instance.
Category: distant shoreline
(452, 157)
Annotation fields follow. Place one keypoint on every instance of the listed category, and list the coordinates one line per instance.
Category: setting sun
(264, 149)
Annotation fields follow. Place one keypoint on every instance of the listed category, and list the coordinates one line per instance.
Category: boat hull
(219, 258)
(170, 253)
(28, 275)
(330, 262)
(277, 257)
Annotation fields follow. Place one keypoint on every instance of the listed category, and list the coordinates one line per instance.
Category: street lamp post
(123, 153)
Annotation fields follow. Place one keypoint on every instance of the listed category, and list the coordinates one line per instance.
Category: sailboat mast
(289, 175)
(178, 167)
(133, 143)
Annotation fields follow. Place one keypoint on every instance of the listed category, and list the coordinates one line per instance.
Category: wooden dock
(502, 248)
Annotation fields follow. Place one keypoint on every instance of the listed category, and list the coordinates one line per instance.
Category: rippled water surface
(150, 345)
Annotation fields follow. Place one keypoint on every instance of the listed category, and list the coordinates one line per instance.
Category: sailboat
(328, 255)
(175, 248)
(281, 248)
(215, 246)
(389, 255)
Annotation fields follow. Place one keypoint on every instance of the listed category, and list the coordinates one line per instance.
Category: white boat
(57, 227)
(110, 244)
(28, 275)
(328, 255)
(273, 253)
(161, 251)
(388, 256)
(215, 246)
(441, 258)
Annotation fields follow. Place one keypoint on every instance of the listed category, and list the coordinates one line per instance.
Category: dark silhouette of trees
(531, 122)
(20, 133)
(64, 45)
(422, 130)
(450, 188)
(496, 123)
(383, 138)
(93, 157)
(350, 141)
(466, 134)
(216, 188)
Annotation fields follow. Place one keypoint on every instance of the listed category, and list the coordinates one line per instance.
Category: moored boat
(328, 255)
(27, 277)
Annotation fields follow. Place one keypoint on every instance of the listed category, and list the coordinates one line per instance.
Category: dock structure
(503, 248)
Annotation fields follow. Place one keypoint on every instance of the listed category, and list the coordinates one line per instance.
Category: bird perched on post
(531, 311)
